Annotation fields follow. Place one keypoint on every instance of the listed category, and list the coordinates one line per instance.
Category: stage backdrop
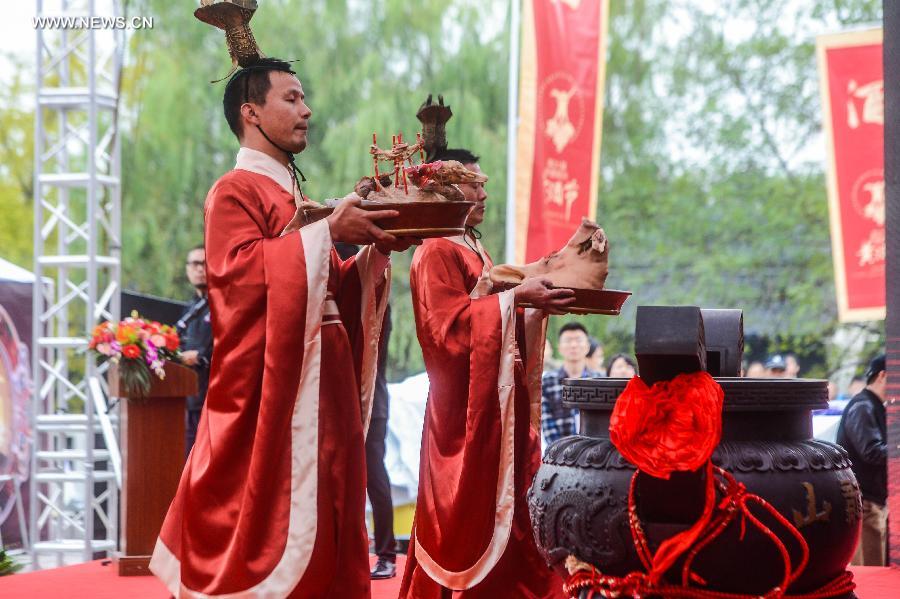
(560, 121)
(15, 396)
(852, 85)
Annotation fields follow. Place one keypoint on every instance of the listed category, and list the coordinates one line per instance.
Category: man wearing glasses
(196, 342)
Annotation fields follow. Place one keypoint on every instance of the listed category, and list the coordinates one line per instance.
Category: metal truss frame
(75, 475)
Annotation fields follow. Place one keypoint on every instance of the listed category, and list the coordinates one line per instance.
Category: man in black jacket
(195, 332)
(863, 433)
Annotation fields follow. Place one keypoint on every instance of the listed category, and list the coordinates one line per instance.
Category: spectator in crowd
(558, 421)
(792, 367)
(550, 361)
(776, 366)
(195, 331)
(595, 355)
(856, 385)
(755, 370)
(863, 433)
(621, 366)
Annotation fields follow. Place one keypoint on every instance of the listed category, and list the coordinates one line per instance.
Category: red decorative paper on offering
(560, 121)
(672, 426)
(852, 85)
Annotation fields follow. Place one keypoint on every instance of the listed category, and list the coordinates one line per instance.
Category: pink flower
(152, 356)
(158, 340)
(104, 349)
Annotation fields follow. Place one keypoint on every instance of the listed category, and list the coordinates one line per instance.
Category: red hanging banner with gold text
(560, 121)
(852, 84)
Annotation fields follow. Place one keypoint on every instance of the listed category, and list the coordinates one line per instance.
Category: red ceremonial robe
(472, 531)
(271, 502)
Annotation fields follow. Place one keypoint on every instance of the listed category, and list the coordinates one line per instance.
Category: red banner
(560, 121)
(852, 84)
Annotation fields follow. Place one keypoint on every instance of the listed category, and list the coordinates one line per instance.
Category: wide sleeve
(449, 317)
(256, 277)
(241, 247)
(469, 324)
(362, 298)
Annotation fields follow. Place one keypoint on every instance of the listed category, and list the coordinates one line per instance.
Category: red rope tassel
(734, 504)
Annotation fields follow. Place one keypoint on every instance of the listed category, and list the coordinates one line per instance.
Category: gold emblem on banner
(559, 128)
(867, 196)
(560, 90)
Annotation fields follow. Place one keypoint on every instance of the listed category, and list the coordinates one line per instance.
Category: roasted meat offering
(582, 264)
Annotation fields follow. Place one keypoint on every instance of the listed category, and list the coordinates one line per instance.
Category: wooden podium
(152, 439)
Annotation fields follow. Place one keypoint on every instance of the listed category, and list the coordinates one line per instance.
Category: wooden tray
(416, 219)
(596, 301)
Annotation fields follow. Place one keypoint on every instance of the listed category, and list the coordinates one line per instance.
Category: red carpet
(93, 580)
(96, 581)
(877, 583)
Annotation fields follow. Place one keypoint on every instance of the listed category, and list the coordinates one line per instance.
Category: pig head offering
(582, 264)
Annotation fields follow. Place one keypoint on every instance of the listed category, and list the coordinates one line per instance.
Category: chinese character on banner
(872, 96)
(852, 86)
(560, 190)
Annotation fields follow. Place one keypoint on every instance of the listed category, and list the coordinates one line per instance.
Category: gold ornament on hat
(233, 16)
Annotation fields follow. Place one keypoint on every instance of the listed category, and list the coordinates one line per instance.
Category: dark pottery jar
(578, 500)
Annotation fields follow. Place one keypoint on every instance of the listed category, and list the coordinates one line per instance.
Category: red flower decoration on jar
(672, 426)
(131, 351)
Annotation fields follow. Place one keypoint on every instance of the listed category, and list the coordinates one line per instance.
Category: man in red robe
(472, 534)
(272, 499)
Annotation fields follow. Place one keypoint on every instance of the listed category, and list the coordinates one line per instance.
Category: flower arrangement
(138, 347)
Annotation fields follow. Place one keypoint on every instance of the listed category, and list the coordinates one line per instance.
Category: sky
(16, 34)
